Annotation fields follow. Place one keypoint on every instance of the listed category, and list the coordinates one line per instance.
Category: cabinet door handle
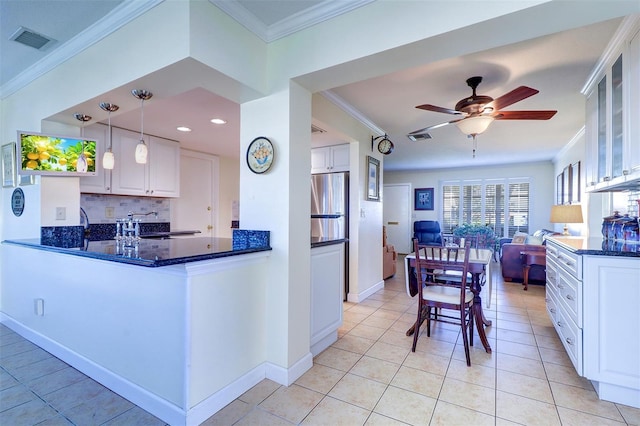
(559, 324)
(569, 340)
(569, 297)
(625, 172)
(553, 311)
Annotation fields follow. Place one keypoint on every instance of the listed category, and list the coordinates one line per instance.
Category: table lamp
(570, 213)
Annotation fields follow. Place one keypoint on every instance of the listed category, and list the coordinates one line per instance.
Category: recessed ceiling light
(183, 129)
(218, 121)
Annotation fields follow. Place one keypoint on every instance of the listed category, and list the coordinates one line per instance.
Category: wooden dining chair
(437, 298)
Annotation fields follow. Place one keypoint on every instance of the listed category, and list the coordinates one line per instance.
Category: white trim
(148, 401)
(221, 264)
(579, 134)
(357, 298)
(152, 403)
(349, 109)
(306, 18)
(286, 376)
(121, 15)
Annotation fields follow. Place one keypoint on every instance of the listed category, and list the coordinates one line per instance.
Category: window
(488, 202)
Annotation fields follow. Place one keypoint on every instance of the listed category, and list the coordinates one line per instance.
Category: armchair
(389, 256)
(427, 232)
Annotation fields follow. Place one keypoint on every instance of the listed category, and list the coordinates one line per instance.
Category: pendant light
(141, 148)
(82, 164)
(108, 159)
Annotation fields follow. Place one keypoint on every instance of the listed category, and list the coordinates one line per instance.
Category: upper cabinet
(159, 177)
(612, 122)
(330, 159)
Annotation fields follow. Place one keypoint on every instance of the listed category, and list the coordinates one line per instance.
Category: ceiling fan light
(108, 160)
(141, 153)
(474, 125)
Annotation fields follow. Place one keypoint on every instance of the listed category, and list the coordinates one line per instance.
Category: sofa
(510, 258)
(389, 256)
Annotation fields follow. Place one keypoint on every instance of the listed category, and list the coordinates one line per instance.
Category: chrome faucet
(130, 215)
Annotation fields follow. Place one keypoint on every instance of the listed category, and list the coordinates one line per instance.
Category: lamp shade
(566, 214)
(108, 160)
(141, 153)
(474, 125)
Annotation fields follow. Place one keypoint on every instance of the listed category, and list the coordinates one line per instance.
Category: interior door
(396, 215)
(195, 209)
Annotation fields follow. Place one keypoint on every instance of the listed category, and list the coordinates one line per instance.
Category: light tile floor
(369, 376)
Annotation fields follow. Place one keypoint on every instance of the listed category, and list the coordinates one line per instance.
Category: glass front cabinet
(612, 125)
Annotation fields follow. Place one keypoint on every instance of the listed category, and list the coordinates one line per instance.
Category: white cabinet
(564, 299)
(611, 318)
(593, 303)
(327, 283)
(330, 159)
(159, 177)
(101, 182)
(613, 113)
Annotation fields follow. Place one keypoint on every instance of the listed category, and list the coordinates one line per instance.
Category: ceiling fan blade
(435, 126)
(524, 115)
(516, 95)
(428, 107)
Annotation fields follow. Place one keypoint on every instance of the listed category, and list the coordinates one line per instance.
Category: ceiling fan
(477, 112)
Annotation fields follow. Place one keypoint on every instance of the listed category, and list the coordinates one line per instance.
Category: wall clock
(260, 155)
(385, 146)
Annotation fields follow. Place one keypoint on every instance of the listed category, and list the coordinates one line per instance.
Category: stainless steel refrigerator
(329, 206)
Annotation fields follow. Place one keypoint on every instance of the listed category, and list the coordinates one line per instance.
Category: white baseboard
(357, 298)
(150, 402)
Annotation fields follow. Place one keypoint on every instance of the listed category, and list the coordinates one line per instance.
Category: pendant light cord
(142, 120)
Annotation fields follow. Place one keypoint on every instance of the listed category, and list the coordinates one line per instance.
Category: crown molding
(121, 15)
(349, 109)
(304, 19)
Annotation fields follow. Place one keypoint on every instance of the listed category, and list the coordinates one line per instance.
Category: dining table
(479, 268)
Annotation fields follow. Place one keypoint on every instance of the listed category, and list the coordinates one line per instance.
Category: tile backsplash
(99, 206)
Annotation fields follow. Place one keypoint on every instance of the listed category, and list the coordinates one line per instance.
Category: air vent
(31, 38)
(416, 138)
(316, 129)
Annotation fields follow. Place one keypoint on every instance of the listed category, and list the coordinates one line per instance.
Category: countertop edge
(571, 244)
(136, 261)
(328, 243)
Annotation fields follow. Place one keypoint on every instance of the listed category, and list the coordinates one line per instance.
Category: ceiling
(557, 65)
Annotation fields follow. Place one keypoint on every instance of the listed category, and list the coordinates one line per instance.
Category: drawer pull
(559, 324)
(569, 297)
(560, 286)
(569, 340)
(553, 311)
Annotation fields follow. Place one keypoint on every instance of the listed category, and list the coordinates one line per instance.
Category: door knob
(208, 208)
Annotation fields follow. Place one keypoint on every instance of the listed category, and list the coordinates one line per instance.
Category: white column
(279, 201)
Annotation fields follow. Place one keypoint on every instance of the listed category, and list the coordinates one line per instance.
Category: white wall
(541, 190)
(592, 204)
(365, 217)
(229, 192)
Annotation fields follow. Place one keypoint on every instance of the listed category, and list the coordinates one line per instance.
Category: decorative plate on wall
(260, 155)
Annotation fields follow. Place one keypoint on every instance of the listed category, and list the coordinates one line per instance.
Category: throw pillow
(534, 239)
(519, 238)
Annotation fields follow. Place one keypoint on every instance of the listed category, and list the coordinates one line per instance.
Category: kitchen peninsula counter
(155, 252)
(181, 336)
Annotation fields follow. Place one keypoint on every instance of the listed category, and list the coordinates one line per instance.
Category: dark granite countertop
(597, 246)
(320, 241)
(164, 252)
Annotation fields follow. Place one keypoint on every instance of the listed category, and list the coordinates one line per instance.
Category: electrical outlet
(61, 213)
(109, 212)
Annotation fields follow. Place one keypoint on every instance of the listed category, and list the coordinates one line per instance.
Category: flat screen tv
(44, 154)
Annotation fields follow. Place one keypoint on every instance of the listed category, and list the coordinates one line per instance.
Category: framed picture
(9, 165)
(559, 187)
(423, 199)
(373, 179)
(575, 183)
(566, 186)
